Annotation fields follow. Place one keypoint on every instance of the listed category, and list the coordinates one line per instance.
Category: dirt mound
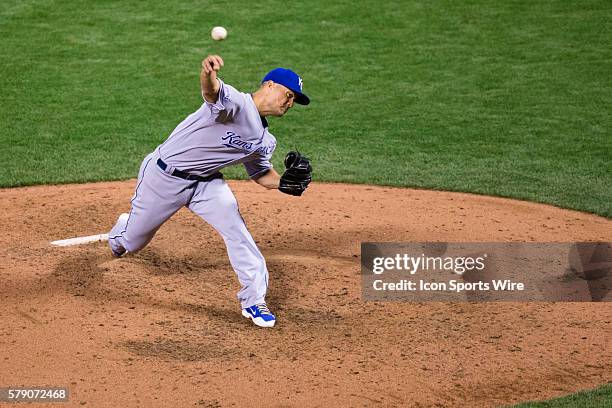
(162, 327)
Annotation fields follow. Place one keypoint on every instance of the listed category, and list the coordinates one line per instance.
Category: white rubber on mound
(81, 240)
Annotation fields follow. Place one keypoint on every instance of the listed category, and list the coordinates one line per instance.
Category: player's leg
(157, 197)
(216, 204)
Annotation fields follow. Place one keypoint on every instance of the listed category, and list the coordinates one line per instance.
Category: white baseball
(218, 33)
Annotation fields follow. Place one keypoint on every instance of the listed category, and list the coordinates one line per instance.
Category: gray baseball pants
(159, 195)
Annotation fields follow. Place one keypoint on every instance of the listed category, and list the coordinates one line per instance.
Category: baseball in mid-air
(218, 33)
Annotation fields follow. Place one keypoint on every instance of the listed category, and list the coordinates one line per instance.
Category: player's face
(283, 99)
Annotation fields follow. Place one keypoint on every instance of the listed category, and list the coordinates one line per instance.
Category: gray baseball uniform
(215, 136)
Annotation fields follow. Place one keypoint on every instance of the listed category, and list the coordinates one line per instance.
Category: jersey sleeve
(229, 101)
(260, 164)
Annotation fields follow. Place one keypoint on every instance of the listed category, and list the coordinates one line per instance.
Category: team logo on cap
(300, 82)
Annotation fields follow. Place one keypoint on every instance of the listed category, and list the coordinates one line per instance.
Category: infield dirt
(162, 328)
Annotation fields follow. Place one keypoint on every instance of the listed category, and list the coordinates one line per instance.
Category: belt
(188, 176)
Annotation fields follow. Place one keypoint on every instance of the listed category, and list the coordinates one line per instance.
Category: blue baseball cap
(291, 80)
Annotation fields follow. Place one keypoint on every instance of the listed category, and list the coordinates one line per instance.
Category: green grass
(597, 398)
(505, 98)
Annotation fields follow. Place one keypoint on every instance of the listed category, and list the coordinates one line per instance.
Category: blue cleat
(260, 315)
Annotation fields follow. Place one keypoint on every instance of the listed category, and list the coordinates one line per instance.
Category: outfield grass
(505, 98)
(597, 398)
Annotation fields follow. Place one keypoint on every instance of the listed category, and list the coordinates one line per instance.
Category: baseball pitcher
(229, 128)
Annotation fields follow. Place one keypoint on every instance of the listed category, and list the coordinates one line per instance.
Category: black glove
(297, 176)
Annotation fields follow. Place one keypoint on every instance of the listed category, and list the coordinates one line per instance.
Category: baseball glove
(297, 175)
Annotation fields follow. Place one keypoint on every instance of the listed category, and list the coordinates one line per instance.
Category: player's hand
(208, 77)
(212, 63)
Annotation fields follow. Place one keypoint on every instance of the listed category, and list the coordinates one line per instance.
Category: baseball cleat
(260, 315)
(118, 254)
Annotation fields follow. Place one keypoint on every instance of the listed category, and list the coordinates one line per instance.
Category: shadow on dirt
(78, 274)
(166, 349)
(164, 264)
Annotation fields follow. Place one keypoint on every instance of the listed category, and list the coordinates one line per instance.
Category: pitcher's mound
(162, 327)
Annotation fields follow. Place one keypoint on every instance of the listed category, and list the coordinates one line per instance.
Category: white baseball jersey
(222, 134)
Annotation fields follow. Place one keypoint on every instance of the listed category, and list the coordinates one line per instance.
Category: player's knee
(132, 247)
(135, 244)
